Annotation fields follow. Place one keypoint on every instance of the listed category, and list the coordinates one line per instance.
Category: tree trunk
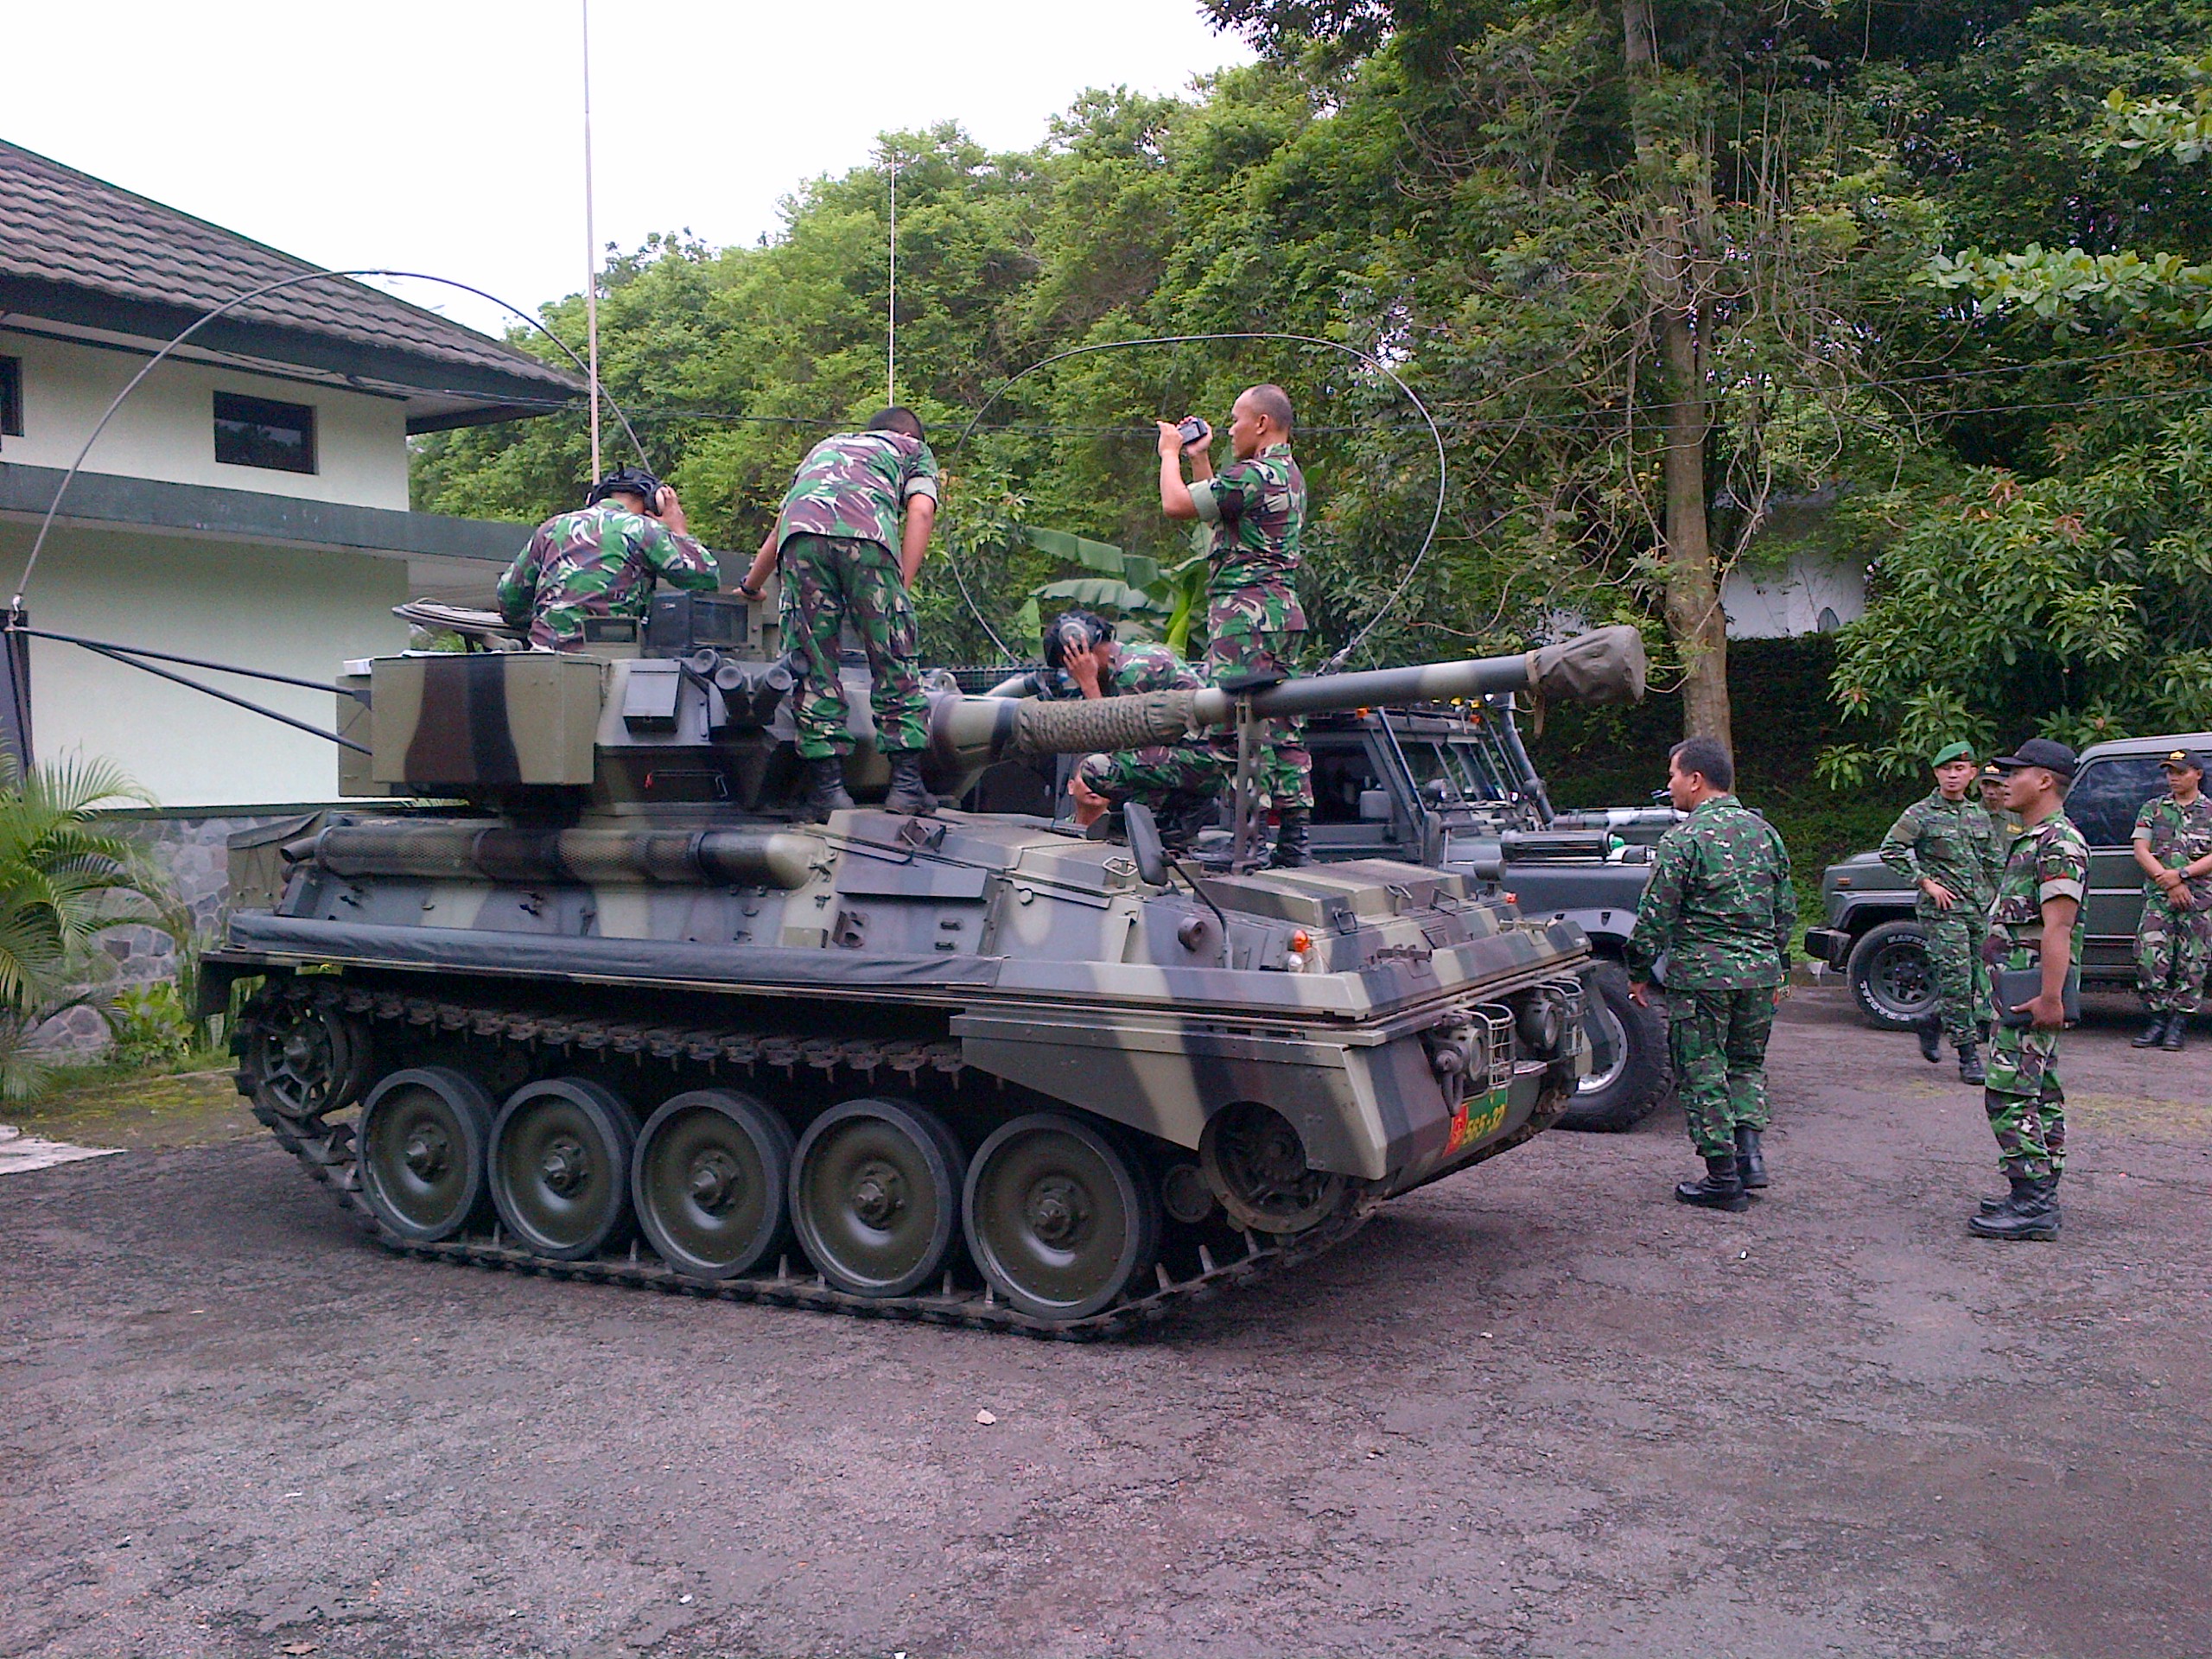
(1674, 225)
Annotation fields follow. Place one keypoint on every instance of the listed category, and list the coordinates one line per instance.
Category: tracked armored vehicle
(594, 1003)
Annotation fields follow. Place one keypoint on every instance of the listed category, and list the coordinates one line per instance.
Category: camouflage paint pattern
(596, 561)
(831, 580)
(1720, 905)
(2173, 947)
(1717, 1039)
(856, 485)
(2024, 1098)
(1258, 630)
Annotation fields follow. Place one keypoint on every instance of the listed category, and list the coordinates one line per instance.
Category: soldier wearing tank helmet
(2173, 940)
(2035, 932)
(602, 560)
(1947, 846)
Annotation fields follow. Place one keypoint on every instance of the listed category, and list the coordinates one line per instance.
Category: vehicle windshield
(1451, 773)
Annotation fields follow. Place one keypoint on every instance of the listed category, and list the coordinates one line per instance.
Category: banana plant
(1166, 601)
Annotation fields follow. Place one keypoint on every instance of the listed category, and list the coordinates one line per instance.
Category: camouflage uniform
(1720, 909)
(597, 561)
(1154, 775)
(1955, 842)
(1253, 620)
(2025, 1102)
(837, 548)
(2173, 946)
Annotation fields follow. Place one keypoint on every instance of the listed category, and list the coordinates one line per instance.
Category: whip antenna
(891, 311)
(591, 254)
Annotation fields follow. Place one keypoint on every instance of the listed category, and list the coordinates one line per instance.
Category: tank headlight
(1542, 1024)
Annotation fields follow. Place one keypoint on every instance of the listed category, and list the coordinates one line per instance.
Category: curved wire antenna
(38, 542)
(1435, 433)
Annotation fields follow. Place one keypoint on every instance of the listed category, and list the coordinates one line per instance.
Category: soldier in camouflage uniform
(1256, 506)
(1180, 783)
(1947, 846)
(601, 560)
(2035, 921)
(2007, 821)
(2173, 940)
(846, 557)
(1720, 910)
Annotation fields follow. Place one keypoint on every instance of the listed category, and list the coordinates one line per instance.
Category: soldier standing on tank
(1256, 506)
(2034, 922)
(1947, 846)
(1719, 908)
(2173, 846)
(847, 557)
(600, 561)
(1180, 783)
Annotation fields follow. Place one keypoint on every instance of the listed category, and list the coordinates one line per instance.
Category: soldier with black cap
(601, 561)
(1947, 846)
(2173, 846)
(2034, 939)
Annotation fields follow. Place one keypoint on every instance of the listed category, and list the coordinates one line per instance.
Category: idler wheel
(1057, 1219)
(422, 1139)
(1255, 1161)
(559, 1166)
(304, 1054)
(876, 1196)
(709, 1181)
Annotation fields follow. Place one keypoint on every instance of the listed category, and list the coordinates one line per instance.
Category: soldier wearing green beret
(1947, 846)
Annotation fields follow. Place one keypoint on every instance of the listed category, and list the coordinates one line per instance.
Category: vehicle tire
(1628, 1070)
(1057, 1216)
(875, 1191)
(710, 1179)
(1890, 978)
(560, 1173)
(421, 1145)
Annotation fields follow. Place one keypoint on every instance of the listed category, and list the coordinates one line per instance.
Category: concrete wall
(296, 611)
(1810, 594)
(166, 428)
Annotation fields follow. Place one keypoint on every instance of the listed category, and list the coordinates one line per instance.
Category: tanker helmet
(627, 480)
(1074, 632)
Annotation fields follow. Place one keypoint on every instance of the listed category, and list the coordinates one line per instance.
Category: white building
(247, 504)
(1784, 587)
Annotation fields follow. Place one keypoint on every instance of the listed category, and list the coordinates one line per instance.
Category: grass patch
(188, 1102)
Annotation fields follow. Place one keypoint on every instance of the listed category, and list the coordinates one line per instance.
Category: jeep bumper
(1831, 944)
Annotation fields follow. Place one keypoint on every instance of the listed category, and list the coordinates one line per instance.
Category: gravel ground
(1538, 1408)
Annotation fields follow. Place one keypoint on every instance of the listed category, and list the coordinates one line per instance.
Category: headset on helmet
(1074, 632)
(628, 481)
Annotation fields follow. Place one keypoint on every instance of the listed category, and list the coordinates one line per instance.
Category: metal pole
(591, 252)
(15, 693)
(891, 312)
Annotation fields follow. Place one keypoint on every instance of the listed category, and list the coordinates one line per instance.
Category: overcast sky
(445, 135)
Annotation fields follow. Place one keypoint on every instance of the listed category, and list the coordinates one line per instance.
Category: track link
(326, 1151)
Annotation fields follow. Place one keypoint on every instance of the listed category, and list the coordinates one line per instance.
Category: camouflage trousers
(2172, 952)
(1152, 775)
(1955, 937)
(829, 581)
(1238, 643)
(1718, 1042)
(2024, 1100)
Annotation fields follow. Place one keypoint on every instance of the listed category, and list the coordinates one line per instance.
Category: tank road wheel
(1056, 1218)
(709, 1181)
(876, 1196)
(423, 1132)
(1256, 1164)
(561, 1166)
(304, 1055)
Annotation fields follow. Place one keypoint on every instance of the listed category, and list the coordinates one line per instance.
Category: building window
(11, 397)
(256, 432)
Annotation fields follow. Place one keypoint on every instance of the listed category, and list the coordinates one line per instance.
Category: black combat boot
(2022, 1188)
(1291, 840)
(1971, 1069)
(825, 791)
(1721, 1189)
(2030, 1212)
(908, 793)
(1931, 1032)
(1751, 1161)
(1185, 819)
(2155, 1032)
(2177, 1037)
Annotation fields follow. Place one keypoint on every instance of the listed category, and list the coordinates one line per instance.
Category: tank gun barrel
(1604, 665)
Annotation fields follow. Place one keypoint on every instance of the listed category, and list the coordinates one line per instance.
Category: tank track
(326, 1151)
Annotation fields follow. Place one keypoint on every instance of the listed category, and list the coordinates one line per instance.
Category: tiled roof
(61, 227)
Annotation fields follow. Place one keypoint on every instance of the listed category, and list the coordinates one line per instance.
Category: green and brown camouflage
(1158, 775)
(1064, 1050)
(1960, 845)
(831, 583)
(1719, 907)
(2023, 1095)
(1716, 1041)
(2173, 946)
(1258, 509)
(597, 561)
(1258, 631)
(858, 484)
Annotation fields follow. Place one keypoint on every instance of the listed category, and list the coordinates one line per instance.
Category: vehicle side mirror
(1144, 844)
